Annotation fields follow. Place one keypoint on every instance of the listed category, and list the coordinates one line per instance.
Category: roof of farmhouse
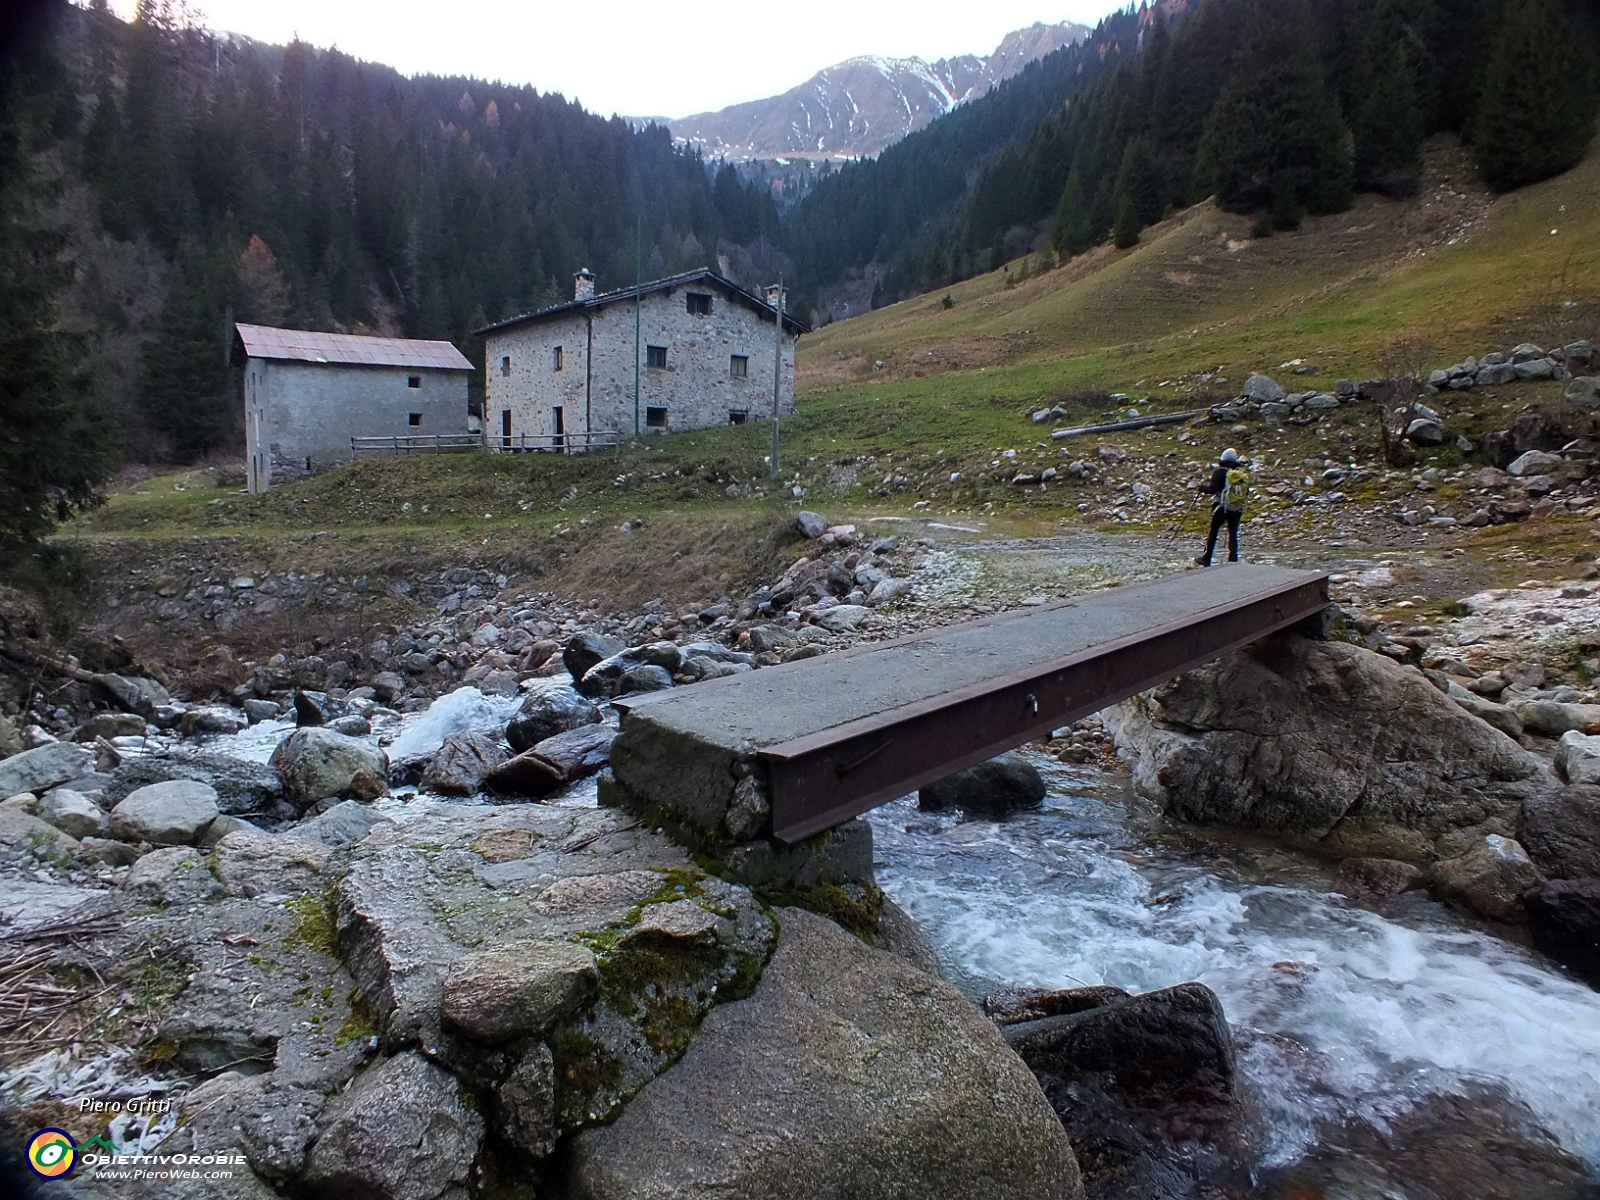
(348, 349)
(705, 274)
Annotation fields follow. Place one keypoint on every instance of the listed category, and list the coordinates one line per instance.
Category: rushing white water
(1340, 1012)
(465, 710)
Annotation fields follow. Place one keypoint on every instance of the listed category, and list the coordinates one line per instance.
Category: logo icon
(51, 1154)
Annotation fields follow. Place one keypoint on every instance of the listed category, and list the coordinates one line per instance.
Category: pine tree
(1074, 228)
(1387, 120)
(185, 383)
(1139, 179)
(1536, 114)
(1125, 233)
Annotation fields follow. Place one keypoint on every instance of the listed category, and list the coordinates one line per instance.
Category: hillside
(857, 108)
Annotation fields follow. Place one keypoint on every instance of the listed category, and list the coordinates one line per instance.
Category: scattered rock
(213, 718)
(175, 875)
(547, 712)
(131, 693)
(843, 618)
(1534, 462)
(1561, 831)
(554, 762)
(316, 764)
(992, 789)
(1263, 390)
(769, 1082)
(459, 767)
(517, 990)
(347, 821)
(73, 813)
(174, 813)
(810, 525)
(525, 1104)
(1376, 878)
(42, 768)
(1578, 758)
(252, 863)
(1564, 918)
(388, 686)
(109, 725)
(1552, 719)
(403, 1131)
(588, 649)
(1489, 879)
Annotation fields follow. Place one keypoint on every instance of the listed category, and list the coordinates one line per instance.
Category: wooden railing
(457, 443)
(559, 443)
(416, 443)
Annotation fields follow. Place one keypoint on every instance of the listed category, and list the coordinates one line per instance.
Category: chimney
(583, 285)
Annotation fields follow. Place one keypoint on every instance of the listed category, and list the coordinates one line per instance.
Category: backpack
(1234, 490)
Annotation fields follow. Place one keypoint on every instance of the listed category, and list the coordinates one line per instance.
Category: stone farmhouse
(705, 358)
(307, 394)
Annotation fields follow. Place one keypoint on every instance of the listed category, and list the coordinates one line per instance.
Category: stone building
(705, 357)
(307, 394)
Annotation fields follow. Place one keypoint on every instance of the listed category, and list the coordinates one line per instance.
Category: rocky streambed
(386, 943)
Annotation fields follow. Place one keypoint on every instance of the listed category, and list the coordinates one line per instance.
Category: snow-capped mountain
(860, 106)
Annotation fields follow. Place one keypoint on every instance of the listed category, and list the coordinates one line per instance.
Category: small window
(738, 365)
(414, 420)
(699, 304)
(655, 417)
(557, 358)
(738, 416)
(414, 381)
(505, 365)
(656, 356)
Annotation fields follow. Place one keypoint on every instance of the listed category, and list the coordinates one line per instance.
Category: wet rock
(1009, 783)
(810, 525)
(73, 813)
(257, 710)
(1376, 878)
(553, 763)
(1551, 719)
(1293, 736)
(388, 686)
(462, 763)
(586, 650)
(109, 725)
(42, 768)
(351, 725)
(546, 713)
(1564, 918)
(131, 693)
(1012, 1008)
(769, 1081)
(314, 708)
(525, 1104)
(212, 719)
(402, 1132)
(252, 863)
(1578, 757)
(317, 764)
(1561, 831)
(347, 821)
(175, 875)
(900, 935)
(646, 678)
(241, 786)
(517, 990)
(1489, 879)
(175, 813)
(604, 679)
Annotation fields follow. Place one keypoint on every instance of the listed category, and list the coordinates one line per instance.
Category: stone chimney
(583, 285)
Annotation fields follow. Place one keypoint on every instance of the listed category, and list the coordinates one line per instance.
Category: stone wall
(300, 417)
(696, 387)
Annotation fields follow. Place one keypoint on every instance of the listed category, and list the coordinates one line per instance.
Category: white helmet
(1230, 455)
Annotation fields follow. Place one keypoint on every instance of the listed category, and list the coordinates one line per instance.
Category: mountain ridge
(859, 107)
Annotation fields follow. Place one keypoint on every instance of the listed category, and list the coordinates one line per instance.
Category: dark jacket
(1219, 481)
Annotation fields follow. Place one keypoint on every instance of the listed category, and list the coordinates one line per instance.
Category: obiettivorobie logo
(52, 1154)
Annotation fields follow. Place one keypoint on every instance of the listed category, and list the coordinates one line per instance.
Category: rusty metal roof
(706, 275)
(302, 345)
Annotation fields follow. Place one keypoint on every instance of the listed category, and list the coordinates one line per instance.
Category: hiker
(1230, 484)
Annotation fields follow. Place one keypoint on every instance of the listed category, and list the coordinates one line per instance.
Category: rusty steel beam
(824, 779)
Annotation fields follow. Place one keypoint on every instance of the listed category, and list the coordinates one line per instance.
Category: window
(505, 429)
(557, 358)
(414, 420)
(656, 356)
(414, 381)
(738, 416)
(738, 365)
(505, 365)
(655, 417)
(559, 425)
(699, 304)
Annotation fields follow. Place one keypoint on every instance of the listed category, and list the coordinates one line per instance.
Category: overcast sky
(656, 59)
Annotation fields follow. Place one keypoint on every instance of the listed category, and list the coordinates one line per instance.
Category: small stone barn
(307, 394)
(705, 357)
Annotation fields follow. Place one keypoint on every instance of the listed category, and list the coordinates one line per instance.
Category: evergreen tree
(186, 386)
(1074, 228)
(1139, 179)
(1387, 120)
(1125, 233)
(1536, 114)
(54, 451)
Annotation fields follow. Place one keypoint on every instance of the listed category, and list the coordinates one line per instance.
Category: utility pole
(777, 370)
(638, 288)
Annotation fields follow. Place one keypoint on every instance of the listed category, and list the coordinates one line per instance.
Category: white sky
(656, 59)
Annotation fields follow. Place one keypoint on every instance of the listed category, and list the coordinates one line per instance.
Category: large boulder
(1264, 390)
(175, 813)
(1564, 917)
(317, 764)
(131, 693)
(1489, 879)
(242, 786)
(1553, 718)
(553, 763)
(252, 863)
(1297, 737)
(546, 713)
(991, 789)
(404, 1131)
(810, 525)
(42, 767)
(459, 766)
(1578, 757)
(174, 875)
(74, 813)
(347, 821)
(512, 991)
(846, 1073)
(588, 649)
(605, 678)
(1561, 831)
